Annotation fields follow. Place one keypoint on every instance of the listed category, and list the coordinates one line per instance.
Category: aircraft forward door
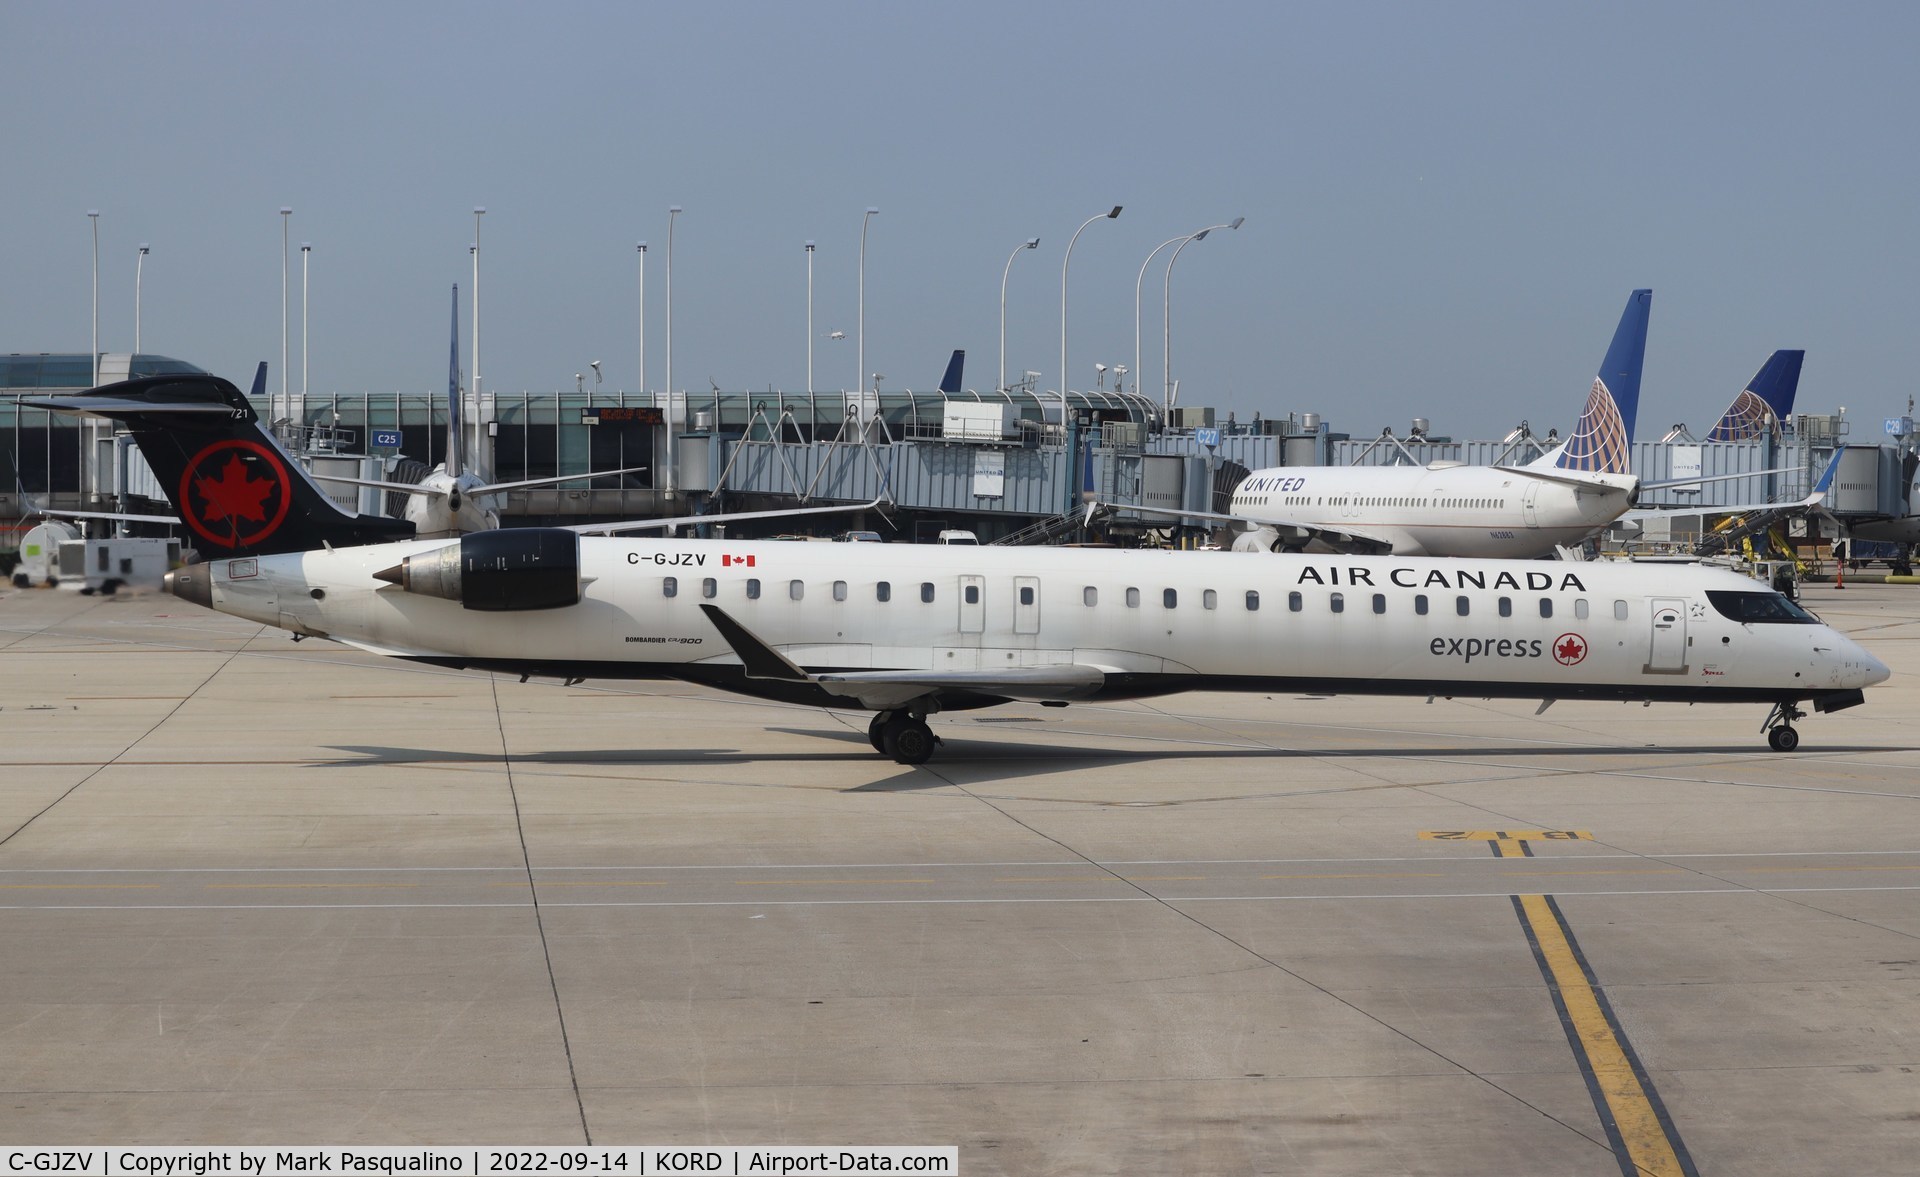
(1530, 504)
(1667, 645)
(973, 604)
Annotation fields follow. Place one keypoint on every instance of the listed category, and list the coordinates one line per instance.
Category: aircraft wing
(1364, 539)
(377, 484)
(727, 517)
(496, 487)
(884, 689)
(1718, 477)
(170, 520)
(1820, 488)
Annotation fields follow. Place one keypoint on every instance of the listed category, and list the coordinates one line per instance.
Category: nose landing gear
(1779, 727)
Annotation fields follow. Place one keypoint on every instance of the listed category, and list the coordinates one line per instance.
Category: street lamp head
(479, 209)
(286, 211)
(1202, 234)
(143, 248)
(305, 247)
(643, 247)
(871, 211)
(1114, 213)
(93, 212)
(1033, 243)
(595, 365)
(809, 247)
(673, 208)
(1236, 222)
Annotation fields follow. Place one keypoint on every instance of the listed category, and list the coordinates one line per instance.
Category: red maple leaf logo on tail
(235, 494)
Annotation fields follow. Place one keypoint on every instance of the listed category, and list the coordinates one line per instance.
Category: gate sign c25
(386, 439)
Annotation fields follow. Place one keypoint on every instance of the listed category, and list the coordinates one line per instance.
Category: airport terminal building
(997, 463)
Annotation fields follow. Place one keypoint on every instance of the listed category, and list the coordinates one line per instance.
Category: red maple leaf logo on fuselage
(1569, 649)
(235, 494)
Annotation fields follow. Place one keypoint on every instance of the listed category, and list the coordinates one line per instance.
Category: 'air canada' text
(1444, 578)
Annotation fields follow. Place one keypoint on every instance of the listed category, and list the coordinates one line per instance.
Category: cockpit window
(1759, 608)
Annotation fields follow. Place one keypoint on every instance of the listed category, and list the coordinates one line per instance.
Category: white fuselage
(1438, 510)
(1150, 622)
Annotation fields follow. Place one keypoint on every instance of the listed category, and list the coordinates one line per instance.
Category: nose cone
(1877, 671)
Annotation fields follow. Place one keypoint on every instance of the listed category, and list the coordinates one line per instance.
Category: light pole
(643, 316)
(1137, 282)
(1030, 243)
(93, 216)
(285, 405)
(478, 212)
(860, 382)
(1166, 312)
(673, 449)
(809, 318)
(139, 265)
(306, 319)
(1063, 305)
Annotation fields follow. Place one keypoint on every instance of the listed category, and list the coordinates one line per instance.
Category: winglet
(760, 659)
(1602, 440)
(1825, 484)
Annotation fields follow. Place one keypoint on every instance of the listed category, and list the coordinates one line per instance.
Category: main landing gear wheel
(876, 728)
(1781, 736)
(908, 740)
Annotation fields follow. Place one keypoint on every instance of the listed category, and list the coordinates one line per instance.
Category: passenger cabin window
(926, 591)
(709, 588)
(1506, 606)
(1169, 598)
(1026, 594)
(753, 589)
(839, 590)
(1546, 607)
(669, 586)
(1253, 601)
(1295, 602)
(1580, 608)
(1209, 599)
(883, 591)
(1133, 598)
(1090, 596)
(972, 594)
(796, 589)
(1462, 605)
(1337, 602)
(1379, 603)
(1759, 608)
(1619, 610)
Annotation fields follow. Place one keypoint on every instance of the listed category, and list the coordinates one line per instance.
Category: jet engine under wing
(884, 689)
(1366, 540)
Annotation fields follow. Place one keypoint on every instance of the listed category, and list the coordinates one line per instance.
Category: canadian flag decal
(730, 561)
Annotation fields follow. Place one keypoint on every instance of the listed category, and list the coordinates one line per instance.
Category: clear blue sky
(1446, 203)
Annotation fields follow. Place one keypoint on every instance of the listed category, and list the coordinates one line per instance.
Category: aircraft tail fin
(950, 383)
(1602, 440)
(1763, 406)
(232, 485)
(259, 381)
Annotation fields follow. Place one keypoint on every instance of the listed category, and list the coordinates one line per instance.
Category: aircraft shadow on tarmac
(1015, 759)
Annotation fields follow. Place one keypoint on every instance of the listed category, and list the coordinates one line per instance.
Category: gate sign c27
(1207, 437)
(386, 439)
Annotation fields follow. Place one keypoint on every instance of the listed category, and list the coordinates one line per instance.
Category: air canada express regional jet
(908, 631)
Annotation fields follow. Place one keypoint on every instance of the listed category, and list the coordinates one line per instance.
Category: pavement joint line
(1168, 900)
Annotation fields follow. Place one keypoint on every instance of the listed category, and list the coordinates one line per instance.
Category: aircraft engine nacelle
(503, 571)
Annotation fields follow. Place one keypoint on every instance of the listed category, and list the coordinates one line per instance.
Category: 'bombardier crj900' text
(905, 632)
